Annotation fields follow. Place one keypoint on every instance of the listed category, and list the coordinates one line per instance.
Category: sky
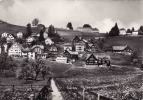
(101, 14)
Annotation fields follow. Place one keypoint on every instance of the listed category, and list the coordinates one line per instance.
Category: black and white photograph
(71, 49)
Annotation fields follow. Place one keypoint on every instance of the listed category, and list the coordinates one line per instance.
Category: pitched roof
(40, 46)
(73, 52)
(119, 47)
(122, 29)
(99, 55)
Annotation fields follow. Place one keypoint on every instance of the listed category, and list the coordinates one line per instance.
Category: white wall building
(61, 59)
(15, 50)
(135, 33)
(10, 38)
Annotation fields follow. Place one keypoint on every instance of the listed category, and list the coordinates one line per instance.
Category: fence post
(13, 88)
(98, 97)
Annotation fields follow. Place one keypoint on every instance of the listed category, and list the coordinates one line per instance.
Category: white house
(15, 50)
(48, 41)
(135, 33)
(10, 38)
(4, 35)
(29, 40)
(80, 46)
(122, 31)
(19, 35)
(61, 59)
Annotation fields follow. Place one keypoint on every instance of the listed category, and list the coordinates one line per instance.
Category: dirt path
(56, 94)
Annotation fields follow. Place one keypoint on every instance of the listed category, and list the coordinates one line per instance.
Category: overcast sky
(101, 14)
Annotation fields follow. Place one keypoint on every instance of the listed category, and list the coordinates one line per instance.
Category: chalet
(42, 56)
(91, 60)
(62, 59)
(15, 50)
(19, 35)
(124, 49)
(71, 54)
(10, 38)
(53, 49)
(98, 59)
(29, 40)
(48, 41)
(39, 49)
(122, 31)
(4, 35)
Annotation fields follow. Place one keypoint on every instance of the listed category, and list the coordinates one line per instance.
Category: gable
(92, 57)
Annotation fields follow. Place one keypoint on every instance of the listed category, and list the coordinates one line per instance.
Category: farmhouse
(71, 54)
(123, 49)
(53, 49)
(19, 35)
(92, 47)
(42, 56)
(98, 59)
(122, 31)
(15, 50)
(80, 46)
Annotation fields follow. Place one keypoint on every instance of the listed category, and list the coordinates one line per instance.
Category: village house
(10, 38)
(19, 35)
(39, 49)
(123, 49)
(27, 53)
(4, 35)
(42, 56)
(98, 59)
(15, 50)
(122, 31)
(62, 59)
(80, 46)
(72, 55)
(48, 41)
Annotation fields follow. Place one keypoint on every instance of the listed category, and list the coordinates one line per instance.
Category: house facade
(15, 50)
(29, 40)
(80, 46)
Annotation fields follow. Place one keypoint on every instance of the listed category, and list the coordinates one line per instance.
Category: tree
(69, 25)
(140, 30)
(87, 26)
(28, 30)
(41, 37)
(133, 29)
(35, 22)
(51, 30)
(129, 31)
(37, 66)
(114, 31)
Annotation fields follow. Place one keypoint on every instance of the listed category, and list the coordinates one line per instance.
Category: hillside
(10, 28)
